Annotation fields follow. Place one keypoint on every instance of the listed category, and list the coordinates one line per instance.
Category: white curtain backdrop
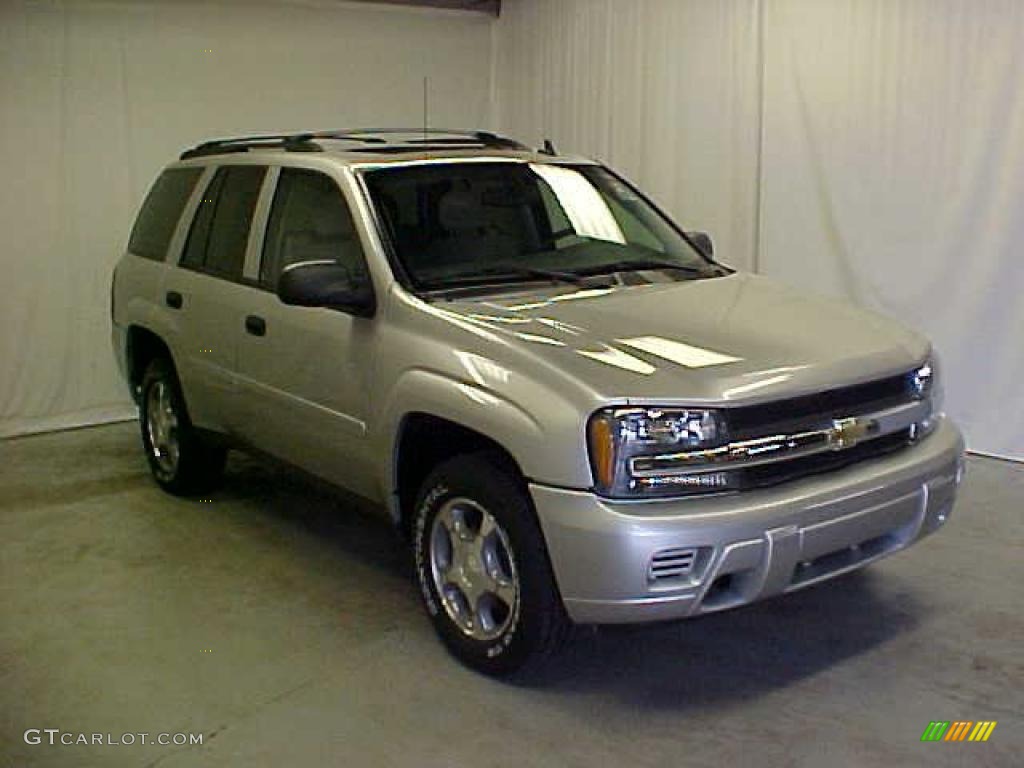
(665, 91)
(893, 159)
(97, 96)
(868, 149)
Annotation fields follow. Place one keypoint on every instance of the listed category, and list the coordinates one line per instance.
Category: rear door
(305, 377)
(207, 295)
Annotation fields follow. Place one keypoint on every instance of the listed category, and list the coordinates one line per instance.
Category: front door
(304, 375)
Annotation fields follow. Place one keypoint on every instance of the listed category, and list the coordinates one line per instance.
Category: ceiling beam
(492, 7)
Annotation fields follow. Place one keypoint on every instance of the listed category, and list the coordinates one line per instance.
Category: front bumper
(746, 546)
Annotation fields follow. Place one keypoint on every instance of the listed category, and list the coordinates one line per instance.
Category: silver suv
(568, 406)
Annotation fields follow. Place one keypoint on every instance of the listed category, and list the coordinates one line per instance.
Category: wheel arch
(424, 440)
(143, 345)
(535, 430)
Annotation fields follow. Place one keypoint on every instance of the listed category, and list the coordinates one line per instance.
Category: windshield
(458, 224)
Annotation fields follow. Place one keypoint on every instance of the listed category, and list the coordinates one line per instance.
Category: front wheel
(483, 568)
(180, 460)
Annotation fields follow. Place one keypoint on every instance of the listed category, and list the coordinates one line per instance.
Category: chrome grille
(806, 411)
(784, 440)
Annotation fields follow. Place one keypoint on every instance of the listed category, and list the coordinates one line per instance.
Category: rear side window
(309, 221)
(161, 211)
(195, 246)
(220, 230)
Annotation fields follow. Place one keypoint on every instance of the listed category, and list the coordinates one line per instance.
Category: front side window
(220, 231)
(161, 211)
(309, 221)
(455, 224)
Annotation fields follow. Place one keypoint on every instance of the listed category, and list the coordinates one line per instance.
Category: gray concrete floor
(282, 623)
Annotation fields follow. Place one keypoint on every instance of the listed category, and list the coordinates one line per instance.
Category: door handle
(174, 299)
(257, 326)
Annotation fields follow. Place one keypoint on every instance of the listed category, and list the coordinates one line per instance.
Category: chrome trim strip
(838, 435)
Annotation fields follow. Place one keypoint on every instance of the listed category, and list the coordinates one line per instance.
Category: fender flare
(468, 405)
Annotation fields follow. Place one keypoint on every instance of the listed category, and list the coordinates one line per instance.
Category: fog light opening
(719, 587)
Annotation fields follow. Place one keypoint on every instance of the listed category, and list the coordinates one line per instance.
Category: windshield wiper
(638, 265)
(547, 274)
(504, 273)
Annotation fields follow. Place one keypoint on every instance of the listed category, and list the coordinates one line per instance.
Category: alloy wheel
(473, 569)
(162, 428)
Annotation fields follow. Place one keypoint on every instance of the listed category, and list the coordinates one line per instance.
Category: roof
(373, 146)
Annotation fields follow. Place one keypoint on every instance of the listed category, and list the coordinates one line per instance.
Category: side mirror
(325, 284)
(703, 242)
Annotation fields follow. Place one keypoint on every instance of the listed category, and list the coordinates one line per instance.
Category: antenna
(425, 112)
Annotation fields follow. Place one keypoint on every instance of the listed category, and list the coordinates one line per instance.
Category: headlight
(619, 437)
(923, 384)
(922, 381)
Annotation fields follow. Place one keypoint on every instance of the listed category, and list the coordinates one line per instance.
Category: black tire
(198, 466)
(537, 626)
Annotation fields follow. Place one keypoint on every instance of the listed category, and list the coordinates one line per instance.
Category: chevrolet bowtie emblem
(846, 433)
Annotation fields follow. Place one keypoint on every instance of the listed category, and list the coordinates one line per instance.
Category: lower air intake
(671, 564)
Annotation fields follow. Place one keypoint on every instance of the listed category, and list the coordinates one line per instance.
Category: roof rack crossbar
(485, 138)
(304, 142)
(298, 142)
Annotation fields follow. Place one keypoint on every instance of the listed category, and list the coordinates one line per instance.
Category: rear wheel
(483, 568)
(180, 460)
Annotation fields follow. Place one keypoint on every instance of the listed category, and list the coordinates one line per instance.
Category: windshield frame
(406, 280)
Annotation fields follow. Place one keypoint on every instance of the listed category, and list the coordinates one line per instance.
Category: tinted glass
(220, 231)
(236, 203)
(309, 221)
(199, 233)
(161, 211)
(452, 222)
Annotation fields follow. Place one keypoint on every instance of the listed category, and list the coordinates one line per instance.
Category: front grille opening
(782, 471)
(672, 564)
(765, 418)
(812, 412)
(846, 557)
(879, 545)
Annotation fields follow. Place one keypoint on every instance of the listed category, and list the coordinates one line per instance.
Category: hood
(741, 338)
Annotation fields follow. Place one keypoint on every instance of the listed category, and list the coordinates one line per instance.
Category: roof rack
(379, 137)
(423, 137)
(294, 142)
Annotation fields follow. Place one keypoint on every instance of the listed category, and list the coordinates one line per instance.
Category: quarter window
(309, 221)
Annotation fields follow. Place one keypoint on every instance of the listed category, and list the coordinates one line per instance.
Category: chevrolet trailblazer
(569, 407)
